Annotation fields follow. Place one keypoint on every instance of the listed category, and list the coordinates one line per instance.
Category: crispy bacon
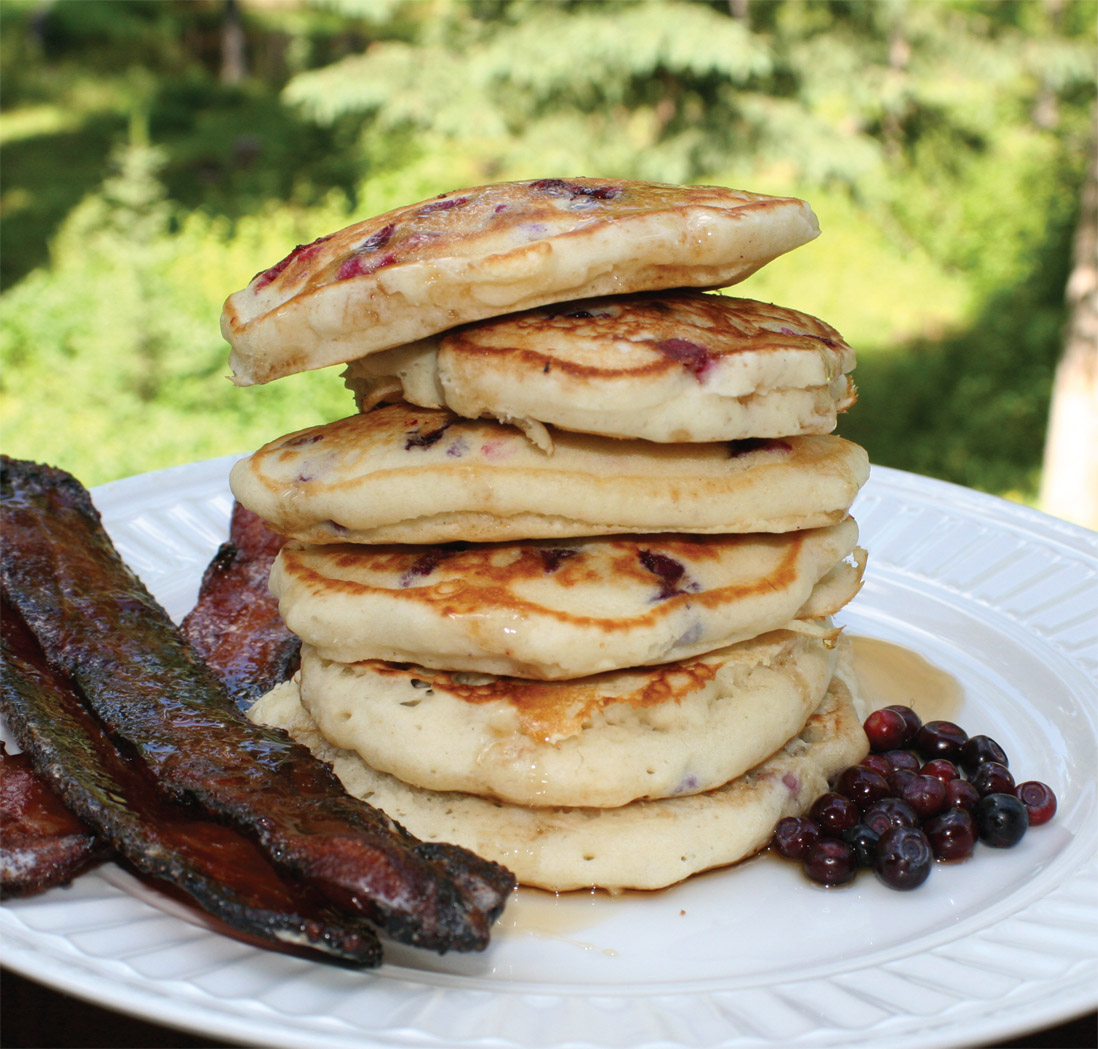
(99, 625)
(44, 844)
(235, 626)
(213, 865)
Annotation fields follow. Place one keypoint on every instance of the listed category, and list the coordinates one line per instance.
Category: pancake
(400, 474)
(642, 845)
(551, 611)
(671, 367)
(681, 728)
(481, 252)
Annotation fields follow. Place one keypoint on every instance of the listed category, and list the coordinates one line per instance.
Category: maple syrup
(889, 673)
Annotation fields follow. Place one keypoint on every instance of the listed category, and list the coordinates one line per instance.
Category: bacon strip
(215, 866)
(98, 624)
(235, 626)
(44, 844)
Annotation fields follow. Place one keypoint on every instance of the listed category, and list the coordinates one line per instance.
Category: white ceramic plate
(1003, 598)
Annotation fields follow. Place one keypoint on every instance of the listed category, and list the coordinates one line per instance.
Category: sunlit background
(157, 153)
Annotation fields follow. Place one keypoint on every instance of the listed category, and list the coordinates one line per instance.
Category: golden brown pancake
(606, 740)
(559, 610)
(401, 474)
(642, 845)
(489, 250)
(665, 366)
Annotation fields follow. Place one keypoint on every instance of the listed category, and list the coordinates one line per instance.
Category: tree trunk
(1069, 481)
(234, 63)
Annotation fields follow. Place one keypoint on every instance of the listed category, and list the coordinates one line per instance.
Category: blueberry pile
(924, 793)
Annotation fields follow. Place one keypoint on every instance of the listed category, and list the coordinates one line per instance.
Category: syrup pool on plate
(891, 674)
(554, 916)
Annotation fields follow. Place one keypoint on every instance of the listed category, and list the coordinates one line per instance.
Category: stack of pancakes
(564, 582)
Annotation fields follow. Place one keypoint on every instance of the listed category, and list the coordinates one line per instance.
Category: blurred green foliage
(943, 145)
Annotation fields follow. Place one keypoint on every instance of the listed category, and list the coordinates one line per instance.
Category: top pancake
(415, 475)
(481, 252)
(664, 366)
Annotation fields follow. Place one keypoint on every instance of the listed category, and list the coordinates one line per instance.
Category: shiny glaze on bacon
(43, 843)
(98, 624)
(235, 626)
(211, 864)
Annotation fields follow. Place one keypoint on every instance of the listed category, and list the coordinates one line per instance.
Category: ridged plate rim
(1017, 949)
